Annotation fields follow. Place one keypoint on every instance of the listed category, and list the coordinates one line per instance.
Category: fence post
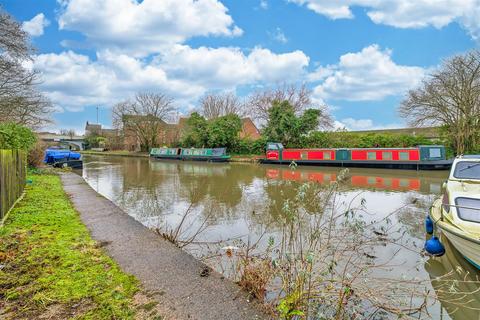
(12, 178)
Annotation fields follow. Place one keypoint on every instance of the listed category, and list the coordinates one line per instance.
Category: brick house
(167, 133)
(170, 133)
(249, 130)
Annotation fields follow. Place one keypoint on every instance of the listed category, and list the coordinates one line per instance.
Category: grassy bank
(251, 158)
(51, 268)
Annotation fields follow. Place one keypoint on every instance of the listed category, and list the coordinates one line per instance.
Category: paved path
(158, 264)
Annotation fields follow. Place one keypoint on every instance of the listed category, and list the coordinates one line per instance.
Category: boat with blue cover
(193, 154)
(61, 158)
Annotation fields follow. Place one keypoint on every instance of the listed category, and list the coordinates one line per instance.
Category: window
(372, 155)
(272, 146)
(404, 156)
(435, 153)
(327, 155)
(468, 209)
(386, 155)
(467, 170)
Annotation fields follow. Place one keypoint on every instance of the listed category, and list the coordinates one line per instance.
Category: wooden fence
(12, 178)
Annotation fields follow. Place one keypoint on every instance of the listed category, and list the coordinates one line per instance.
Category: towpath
(171, 274)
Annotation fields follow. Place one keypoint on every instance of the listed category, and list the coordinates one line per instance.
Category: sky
(359, 57)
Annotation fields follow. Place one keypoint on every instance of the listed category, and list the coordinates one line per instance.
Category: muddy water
(240, 201)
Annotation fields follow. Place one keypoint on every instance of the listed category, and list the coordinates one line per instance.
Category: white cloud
(148, 26)
(264, 4)
(35, 26)
(405, 13)
(227, 67)
(73, 81)
(366, 75)
(279, 36)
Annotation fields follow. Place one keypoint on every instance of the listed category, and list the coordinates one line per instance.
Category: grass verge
(51, 268)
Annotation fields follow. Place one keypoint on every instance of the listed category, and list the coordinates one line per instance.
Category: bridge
(71, 142)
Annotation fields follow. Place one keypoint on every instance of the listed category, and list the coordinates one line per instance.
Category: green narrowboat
(193, 154)
(166, 153)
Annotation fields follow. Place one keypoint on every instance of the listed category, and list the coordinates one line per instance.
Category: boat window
(386, 155)
(403, 155)
(468, 209)
(467, 170)
(272, 146)
(327, 155)
(372, 155)
(435, 153)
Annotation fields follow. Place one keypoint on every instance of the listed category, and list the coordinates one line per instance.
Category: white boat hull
(469, 249)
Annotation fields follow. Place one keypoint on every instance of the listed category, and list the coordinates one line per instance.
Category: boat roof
(469, 156)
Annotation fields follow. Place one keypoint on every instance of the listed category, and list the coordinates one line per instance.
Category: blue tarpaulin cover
(56, 155)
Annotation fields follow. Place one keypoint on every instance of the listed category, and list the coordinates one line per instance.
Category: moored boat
(193, 154)
(427, 157)
(457, 213)
(61, 158)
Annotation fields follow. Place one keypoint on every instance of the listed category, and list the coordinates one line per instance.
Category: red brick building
(170, 133)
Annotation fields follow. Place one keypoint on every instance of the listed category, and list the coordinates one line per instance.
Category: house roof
(92, 126)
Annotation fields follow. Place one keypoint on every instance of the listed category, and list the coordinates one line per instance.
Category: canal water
(223, 203)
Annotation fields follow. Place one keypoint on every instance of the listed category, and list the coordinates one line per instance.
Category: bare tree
(25, 106)
(449, 97)
(261, 101)
(13, 40)
(144, 117)
(218, 105)
(20, 101)
(68, 132)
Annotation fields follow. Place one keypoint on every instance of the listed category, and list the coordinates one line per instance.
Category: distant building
(167, 133)
(171, 133)
(96, 129)
(93, 128)
(249, 130)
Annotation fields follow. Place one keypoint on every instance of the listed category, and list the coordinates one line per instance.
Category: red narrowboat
(425, 157)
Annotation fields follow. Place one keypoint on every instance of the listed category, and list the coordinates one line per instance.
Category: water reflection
(243, 201)
(453, 270)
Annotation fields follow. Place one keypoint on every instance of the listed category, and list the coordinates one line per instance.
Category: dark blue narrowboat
(425, 157)
(62, 158)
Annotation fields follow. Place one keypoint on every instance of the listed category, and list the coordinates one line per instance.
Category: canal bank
(181, 282)
(247, 158)
(50, 268)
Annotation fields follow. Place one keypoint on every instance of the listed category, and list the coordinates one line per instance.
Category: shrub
(14, 136)
(36, 154)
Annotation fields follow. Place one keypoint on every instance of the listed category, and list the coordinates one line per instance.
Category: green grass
(49, 262)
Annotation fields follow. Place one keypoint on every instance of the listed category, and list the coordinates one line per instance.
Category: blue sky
(358, 56)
